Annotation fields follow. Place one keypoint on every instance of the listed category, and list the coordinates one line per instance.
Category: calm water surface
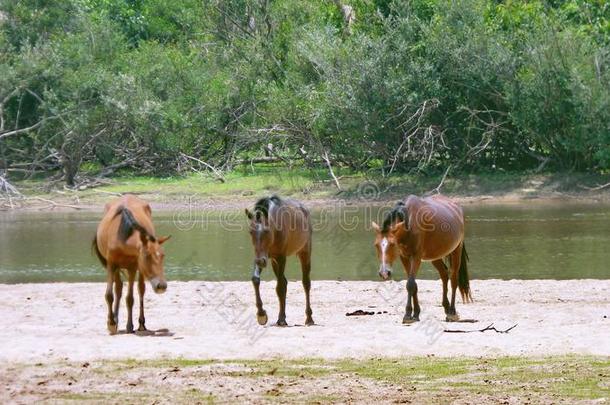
(522, 241)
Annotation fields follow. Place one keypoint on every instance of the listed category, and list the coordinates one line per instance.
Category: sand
(212, 320)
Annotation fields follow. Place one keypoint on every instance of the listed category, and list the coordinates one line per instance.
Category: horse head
(387, 250)
(262, 239)
(150, 261)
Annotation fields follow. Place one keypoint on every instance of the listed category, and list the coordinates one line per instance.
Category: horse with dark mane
(125, 239)
(425, 229)
(280, 228)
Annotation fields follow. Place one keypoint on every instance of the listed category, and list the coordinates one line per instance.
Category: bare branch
(437, 189)
(30, 128)
(7, 188)
(597, 188)
(3, 103)
(214, 170)
(330, 169)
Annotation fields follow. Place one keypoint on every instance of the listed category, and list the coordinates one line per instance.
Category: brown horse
(280, 228)
(425, 229)
(125, 239)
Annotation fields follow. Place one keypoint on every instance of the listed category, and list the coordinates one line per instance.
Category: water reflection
(524, 241)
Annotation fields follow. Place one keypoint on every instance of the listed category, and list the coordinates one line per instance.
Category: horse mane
(397, 214)
(129, 224)
(262, 206)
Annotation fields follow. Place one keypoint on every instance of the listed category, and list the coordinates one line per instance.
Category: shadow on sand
(164, 332)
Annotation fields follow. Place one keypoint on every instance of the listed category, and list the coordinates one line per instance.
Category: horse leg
(305, 258)
(455, 260)
(110, 323)
(129, 300)
(141, 291)
(261, 314)
(118, 293)
(444, 273)
(282, 285)
(412, 310)
(409, 309)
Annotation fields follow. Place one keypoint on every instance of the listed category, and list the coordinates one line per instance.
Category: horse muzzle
(385, 273)
(159, 286)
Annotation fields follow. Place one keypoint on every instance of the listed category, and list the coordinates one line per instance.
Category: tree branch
(437, 189)
(330, 169)
(214, 170)
(21, 130)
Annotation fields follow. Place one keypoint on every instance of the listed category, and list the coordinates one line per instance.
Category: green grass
(248, 184)
(420, 379)
(576, 377)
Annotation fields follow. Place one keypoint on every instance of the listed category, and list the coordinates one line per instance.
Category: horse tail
(129, 224)
(96, 249)
(463, 280)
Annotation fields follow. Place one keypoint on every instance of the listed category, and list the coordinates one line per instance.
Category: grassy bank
(246, 184)
(419, 380)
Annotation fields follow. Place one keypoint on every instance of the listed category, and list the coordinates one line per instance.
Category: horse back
(124, 253)
(292, 227)
(436, 224)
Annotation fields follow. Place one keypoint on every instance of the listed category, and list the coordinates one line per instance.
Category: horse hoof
(407, 320)
(452, 318)
(113, 329)
(309, 322)
(281, 323)
(262, 319)
(142, 328)
(130, 329)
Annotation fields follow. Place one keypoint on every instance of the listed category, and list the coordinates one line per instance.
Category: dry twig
(53, 204)
(485, 329)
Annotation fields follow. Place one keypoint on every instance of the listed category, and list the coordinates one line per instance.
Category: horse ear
(164, 239)
(375, 227)
(396, 228)
(249, 214)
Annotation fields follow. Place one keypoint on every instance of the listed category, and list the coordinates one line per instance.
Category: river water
(517, 241)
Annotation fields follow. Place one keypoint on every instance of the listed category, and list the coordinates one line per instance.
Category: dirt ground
(550, 380)
(205, 344)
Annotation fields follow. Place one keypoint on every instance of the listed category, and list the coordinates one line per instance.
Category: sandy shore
(211, 320)
(162, 201)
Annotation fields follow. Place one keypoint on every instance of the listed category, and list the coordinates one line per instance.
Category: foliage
(406, 85)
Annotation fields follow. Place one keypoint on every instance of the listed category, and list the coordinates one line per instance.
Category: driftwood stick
(601, 187)
(54, 204)
(108, 192)
(485, 329)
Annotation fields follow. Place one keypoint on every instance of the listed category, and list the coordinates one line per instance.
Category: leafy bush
(399, 85)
